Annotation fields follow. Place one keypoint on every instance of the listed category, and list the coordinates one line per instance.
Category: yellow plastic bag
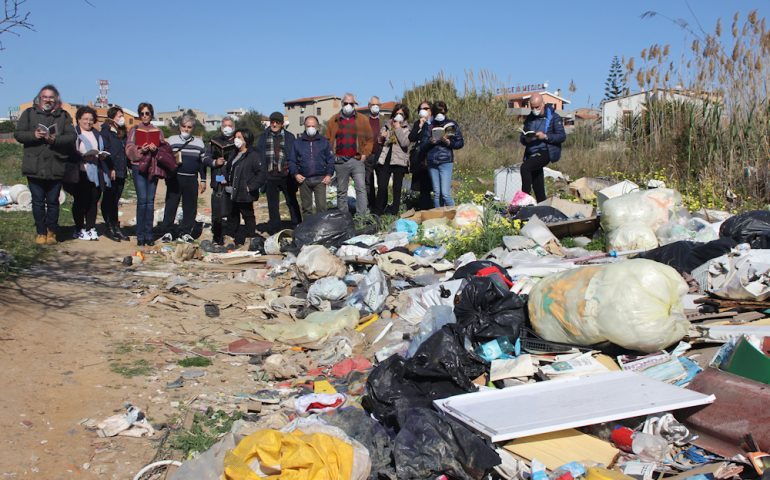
(289, 456)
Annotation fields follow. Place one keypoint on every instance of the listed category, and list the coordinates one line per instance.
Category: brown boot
(50, 239)
(40, 239)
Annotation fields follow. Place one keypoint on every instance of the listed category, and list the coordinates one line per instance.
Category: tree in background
(7, 127)
(251, 120)
(14, 18)
(615, 85)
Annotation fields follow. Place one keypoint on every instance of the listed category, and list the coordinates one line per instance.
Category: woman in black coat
(420, 178)
(245, 176)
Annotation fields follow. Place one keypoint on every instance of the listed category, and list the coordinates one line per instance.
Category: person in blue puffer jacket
(311, 163)
(542, 136)
(439, 152)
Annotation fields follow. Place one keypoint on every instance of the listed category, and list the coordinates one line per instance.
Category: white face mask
(440, 117)
(185, 135)
(238, 143)
(121, 122)
(227, 131)
(399, 118)
(347, 109)
(311, 131)
(375, 109)
(537, 111)
(424, 113)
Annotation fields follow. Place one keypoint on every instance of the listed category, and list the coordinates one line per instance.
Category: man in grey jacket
(48, 136)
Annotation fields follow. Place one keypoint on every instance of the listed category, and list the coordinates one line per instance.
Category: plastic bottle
(500, 347)
(648, 447)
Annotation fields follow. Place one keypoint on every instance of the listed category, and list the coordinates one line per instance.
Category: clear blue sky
(257, 54)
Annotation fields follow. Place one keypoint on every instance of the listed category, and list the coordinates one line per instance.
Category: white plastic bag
(632, 236)
(636, 304)
(742, 274)
(648, 207)
(325, 290)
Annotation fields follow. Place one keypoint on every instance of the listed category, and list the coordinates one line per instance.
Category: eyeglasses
(349, 103)
(146, 114)
(46, 97)
(275, 122)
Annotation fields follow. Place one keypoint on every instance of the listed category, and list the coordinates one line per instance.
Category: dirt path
(64, 328)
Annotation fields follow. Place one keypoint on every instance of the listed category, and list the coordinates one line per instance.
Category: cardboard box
(422, 215)
(570, 209)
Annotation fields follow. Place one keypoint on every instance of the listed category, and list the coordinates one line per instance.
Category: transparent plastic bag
(636, 304)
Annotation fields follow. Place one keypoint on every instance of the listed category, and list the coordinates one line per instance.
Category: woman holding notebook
(142, 144)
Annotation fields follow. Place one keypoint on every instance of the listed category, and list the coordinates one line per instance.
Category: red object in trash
(623, 438)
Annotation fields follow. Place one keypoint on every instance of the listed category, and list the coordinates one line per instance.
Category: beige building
(323, 107)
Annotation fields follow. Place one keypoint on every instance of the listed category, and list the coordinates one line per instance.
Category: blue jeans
(441, 178)
(145, 204)
(45, 204)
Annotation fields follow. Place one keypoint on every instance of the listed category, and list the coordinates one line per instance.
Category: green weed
(194, 362)
(137, 368)
(204, 432)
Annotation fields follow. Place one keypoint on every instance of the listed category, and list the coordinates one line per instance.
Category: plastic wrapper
(437, 317)
(413, 304)
(468, 214)
(326, 289)
(313, 330)
(652, 208)
(316, 261)
(522, 199)
(743, 274)
(486, 310)
(408, 226)
(430, 445)
(749, 227)
(687, 256)
(632, 236)
(330, 229)
(636, 304)
(481, 268)
(544, 212)
(437, 229)
(372, 292)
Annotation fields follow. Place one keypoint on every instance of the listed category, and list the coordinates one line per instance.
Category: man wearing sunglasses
(276, 146)
(351, 139)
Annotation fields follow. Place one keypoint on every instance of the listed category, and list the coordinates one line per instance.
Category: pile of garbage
(374, 356)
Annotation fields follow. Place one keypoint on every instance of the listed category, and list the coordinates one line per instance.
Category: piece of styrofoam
(555, 405)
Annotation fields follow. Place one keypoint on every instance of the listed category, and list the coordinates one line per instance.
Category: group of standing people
(362, 145)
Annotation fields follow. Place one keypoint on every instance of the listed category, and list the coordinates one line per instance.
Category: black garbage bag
(687, 256)
(330, 229)
(358, 425)
(749, 227)
(546, 213)
(486, 310)
(482, 268)
(257, 244)
(440, 368)
(430, 444)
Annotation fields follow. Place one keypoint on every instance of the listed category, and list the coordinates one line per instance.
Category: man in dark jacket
(275, 145)
(543, 135)
(48, 136)
(312, 166)
(219, 150)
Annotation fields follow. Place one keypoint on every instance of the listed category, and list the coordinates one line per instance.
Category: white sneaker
(92, 235)
(83, 235)
(187, 238)
(166, 238)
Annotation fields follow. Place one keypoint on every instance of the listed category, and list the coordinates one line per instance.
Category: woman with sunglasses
(145, 185)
